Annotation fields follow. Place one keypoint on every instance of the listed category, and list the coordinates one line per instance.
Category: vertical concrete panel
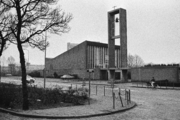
(116, 58)
(88, 57)
(98, 56)
(92, 56)
(95, 57)
(123, 38)
(103, 57)
(105, 61)
(94, 48)
(111, 42)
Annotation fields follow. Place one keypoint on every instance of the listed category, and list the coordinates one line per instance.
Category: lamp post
(45, 60)
(90, 71)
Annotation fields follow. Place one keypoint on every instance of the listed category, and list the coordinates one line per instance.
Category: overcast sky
(153, 29)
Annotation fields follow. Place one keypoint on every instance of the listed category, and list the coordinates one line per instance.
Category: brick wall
(72, 61)
(159, 73)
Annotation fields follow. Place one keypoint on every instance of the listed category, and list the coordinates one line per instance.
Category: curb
(162, 88)
(64, 117)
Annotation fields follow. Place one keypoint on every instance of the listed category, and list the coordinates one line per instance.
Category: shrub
(11, 96)
(56, 75)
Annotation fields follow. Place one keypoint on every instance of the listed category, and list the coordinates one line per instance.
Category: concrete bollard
(113, 100)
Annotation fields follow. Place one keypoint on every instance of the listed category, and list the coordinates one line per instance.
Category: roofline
(87, 42)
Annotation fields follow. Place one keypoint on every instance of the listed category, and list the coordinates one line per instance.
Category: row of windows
(98, 57)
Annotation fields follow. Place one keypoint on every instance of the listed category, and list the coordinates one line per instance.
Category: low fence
(123, 96)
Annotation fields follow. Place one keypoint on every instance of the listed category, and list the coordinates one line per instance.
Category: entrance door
(104, 75)
(117, 75)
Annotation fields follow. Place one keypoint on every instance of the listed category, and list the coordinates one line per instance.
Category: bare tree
(135, 61)
(11, 60)
(4, 33)
(3, 61)
(11, 64)
(22, 23)
(130, 60)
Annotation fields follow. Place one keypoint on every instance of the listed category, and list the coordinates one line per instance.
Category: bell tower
(122, 34)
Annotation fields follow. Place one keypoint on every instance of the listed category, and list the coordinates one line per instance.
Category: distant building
(31, 68)
(87, 55)
(16, 69)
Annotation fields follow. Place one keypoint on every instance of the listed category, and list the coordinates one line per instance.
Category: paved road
(153, 104)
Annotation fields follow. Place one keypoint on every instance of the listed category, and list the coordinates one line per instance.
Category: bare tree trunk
(22, 59)
(24, 83)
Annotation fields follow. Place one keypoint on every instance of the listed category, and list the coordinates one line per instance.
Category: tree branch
(3, 43)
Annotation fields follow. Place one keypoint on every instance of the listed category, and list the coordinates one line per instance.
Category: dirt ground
(152, 104)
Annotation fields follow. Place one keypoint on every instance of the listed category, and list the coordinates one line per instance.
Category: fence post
(120, 98)
(76, 87)
(119, 90)
(173, 85)
(129, 95)
(125, 94)
(113, 100)
(166, 85)
(104, 90)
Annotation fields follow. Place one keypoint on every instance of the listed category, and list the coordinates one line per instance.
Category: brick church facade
(86, 55)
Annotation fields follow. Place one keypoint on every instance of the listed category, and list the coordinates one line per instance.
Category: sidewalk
(93, 82)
